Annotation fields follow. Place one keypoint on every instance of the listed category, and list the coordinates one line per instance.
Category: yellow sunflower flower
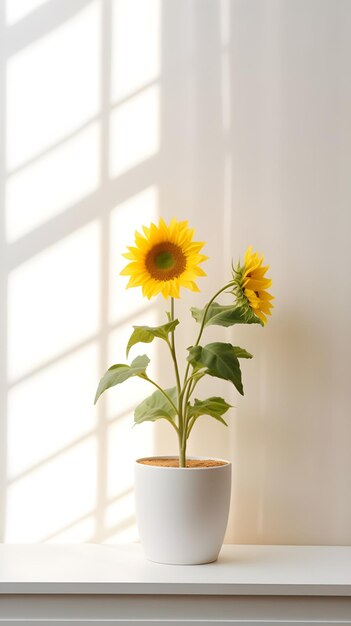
(251, 285)
(164, 259)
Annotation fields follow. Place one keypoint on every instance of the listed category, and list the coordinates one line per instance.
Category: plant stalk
(190, 390)
(149, 380)
(185, 392)
(173, 350)
(181, 425)
(182, 450)
(207, 307)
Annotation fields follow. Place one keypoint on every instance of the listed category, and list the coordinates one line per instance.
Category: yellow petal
(261, 316)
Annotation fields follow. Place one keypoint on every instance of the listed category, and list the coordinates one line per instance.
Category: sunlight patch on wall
(53, 86)
(53, 496)
(134, 131)
(54, 301)
(136, 45)
(51, 410)
(120, 520)
(125, 444)
(128, 533)
(125, 219)
(81, 532)
(18, 9)
(54, 182)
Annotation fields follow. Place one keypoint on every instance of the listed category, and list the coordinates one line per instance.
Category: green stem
(172, 424)
(204, 320)
(208, 306)
(181, 430)
(189, 391)
(173, 350)
(190, 426)
(162, 391)
(182, 450)
(191, 387)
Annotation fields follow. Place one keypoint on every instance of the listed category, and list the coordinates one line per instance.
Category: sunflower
(251, 285)
(164, 259)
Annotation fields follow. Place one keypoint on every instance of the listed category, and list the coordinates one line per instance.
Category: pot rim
(174, 456)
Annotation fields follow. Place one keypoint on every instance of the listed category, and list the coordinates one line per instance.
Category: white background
(234, 114)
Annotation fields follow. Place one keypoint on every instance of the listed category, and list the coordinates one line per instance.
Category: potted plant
(182, 503)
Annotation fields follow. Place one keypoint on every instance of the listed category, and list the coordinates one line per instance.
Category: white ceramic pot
(182, 513)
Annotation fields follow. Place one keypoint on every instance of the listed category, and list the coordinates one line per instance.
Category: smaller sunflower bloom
(164, 259)
(251, 286)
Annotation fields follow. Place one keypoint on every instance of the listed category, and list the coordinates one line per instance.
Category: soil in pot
(172, 462)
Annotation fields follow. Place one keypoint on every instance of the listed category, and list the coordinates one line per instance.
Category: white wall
(236, 115)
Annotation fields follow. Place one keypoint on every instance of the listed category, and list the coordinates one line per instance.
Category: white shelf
(123, 570)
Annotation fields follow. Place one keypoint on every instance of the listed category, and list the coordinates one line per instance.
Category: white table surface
(123, 569)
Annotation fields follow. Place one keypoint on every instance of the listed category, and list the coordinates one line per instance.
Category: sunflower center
(165, 261)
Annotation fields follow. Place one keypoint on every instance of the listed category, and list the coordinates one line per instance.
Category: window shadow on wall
(79, 165)
(106, 104)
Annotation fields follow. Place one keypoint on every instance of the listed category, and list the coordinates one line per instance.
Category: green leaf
(146, 334)
(220, 360)
(214, 406)
(156, 407)
(119, 373)
(241, 353)
(221, 315)
(197, 375)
